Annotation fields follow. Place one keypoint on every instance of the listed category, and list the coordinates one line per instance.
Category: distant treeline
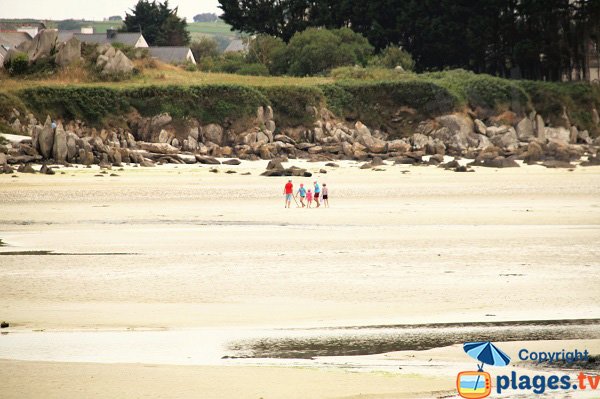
(531, 39)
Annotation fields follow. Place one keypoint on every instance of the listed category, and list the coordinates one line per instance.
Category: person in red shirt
(288, 191)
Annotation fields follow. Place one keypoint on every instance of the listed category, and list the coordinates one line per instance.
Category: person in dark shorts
(325, 193)
(317, 194)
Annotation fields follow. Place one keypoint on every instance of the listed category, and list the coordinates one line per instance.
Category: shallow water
(315, 346)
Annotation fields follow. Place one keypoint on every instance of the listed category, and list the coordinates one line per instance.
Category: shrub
(393, 56)
(376, 103)
(369, 73)
(263, 49)
(253, 69)
(290, 103)
(17, 65)
(209, 104)
(317, 51)
(91, 104)
(205, 47)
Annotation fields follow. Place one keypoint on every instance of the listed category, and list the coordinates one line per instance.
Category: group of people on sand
(303, 195)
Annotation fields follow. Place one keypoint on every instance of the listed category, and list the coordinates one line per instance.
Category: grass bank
(378, 98)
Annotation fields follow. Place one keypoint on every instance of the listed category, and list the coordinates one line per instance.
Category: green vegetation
(532, 39)
(373, 95)
(159, 23)
(316, 51)
(392, 57)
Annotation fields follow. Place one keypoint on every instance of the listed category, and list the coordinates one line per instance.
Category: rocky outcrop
(112, 62)
(59, 149)
(45, 139)
(43, 45)
(69, 53)
(494, 142)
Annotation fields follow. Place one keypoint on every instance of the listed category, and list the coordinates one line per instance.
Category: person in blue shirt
(302, 194)
(317, 194)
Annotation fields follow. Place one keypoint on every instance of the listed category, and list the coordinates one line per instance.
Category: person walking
(288, 192)
(309, 199)
(317, 194)
(325, 192)
(302, 194)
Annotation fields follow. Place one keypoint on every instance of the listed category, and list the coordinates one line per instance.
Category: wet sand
(179, 247)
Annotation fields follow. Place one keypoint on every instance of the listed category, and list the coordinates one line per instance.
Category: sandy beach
(176, 248)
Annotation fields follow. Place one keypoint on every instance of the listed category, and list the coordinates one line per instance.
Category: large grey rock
(46, 139)
(595, 117)
(43, 45)
(159, 148)
(69, 53)
(558, 133)
(574, 135)
(508, 140)
(492, 131)
(59, 149)
(192, 143)
(207, 160)
(480, 126)
(584, 137)
(399, 146)
(71, 146)
(525, 130)
(457, 132)
(195, 133)
(3, 159)
(420, 141)
(165, 136)
(540, 127)
(213, 133)
(118, 64)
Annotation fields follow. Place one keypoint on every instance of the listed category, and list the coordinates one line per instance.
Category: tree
(159, 24)
(205, 47)
(533, 39)
(279, 18)
(115, 18)
(205, 17)
(392, 57)
(316, 51)
(263, 49)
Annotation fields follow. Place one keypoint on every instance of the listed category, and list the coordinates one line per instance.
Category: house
(133, 39)
(31, 28)
(10, 40)
(236, 45)
(172, 55)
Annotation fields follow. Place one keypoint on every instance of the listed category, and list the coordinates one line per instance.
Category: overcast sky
(93, 9)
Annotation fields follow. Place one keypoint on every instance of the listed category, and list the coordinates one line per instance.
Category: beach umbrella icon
(486, 353)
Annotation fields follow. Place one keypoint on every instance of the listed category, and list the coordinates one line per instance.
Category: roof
(14, 25)
(129, 39)
(171, 55)
(66, 35)
(13, 39)
(236, 45)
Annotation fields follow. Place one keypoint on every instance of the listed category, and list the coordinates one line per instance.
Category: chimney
(111, 33)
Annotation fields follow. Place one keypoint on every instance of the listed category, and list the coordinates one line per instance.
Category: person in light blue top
(302, 194)
(317, 194)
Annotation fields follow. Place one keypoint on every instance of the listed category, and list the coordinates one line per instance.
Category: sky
(93, 9)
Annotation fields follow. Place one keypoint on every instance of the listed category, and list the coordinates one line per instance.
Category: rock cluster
(158, 139)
